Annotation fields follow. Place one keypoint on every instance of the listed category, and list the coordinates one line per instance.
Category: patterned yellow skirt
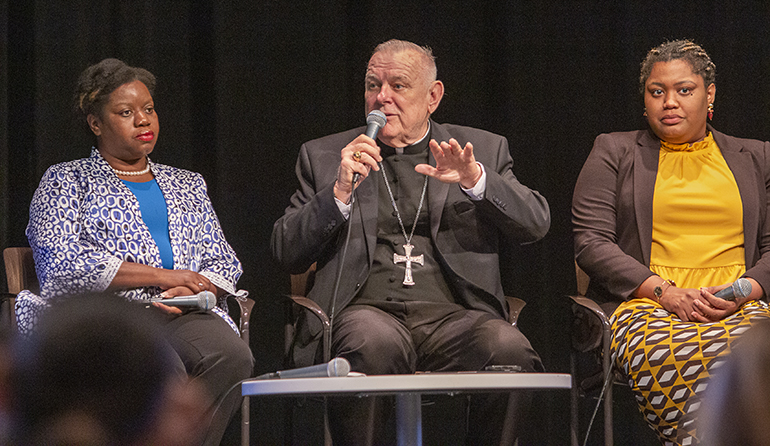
(667, 361)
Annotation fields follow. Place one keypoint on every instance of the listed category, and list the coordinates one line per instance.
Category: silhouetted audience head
(736, 406)
(98, 371)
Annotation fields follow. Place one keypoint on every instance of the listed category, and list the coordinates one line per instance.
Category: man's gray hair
(398, 46)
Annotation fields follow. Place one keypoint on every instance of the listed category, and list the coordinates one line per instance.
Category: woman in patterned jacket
(117, 222)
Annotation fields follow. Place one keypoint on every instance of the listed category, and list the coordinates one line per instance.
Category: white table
(408, 390)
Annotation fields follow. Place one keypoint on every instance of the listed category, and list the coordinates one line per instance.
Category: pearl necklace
(133, 173)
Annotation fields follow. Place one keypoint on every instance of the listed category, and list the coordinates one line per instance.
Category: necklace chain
(398, 214)
(131, 173)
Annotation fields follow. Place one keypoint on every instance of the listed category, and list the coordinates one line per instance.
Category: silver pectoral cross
(408, 259)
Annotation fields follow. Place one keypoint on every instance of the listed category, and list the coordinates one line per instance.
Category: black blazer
(467, 234)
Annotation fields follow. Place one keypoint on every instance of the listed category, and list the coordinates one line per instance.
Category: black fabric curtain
(242, 84)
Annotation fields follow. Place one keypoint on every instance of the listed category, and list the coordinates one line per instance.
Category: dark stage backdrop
(242, 84)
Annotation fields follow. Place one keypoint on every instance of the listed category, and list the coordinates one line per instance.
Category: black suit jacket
(466, 234)
(612, 209)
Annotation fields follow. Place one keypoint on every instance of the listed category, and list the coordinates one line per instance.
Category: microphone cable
(340, 265)
(375, 120)
(332, 309)
(607, 380)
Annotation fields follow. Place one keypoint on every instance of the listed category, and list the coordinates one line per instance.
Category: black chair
(300, 287)
(590, 334)
(299, 303)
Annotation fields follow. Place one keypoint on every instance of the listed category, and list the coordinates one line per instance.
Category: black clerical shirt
(385, 281)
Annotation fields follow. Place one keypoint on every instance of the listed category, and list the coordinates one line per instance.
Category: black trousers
(212, 353)
(405, 337)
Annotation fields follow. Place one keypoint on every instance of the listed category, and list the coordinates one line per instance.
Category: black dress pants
(405, 337)
(212, 353)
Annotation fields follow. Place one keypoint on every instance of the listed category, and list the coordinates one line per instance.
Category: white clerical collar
(400, 150)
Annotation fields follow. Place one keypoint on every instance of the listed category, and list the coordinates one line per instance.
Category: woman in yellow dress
(663, 219)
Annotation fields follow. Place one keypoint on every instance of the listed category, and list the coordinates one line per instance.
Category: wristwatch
(658, 290)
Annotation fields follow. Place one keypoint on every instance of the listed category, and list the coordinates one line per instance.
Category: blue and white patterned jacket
(84, 223)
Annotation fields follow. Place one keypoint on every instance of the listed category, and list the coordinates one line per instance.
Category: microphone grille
(338, 367)
(377, 117)
(206, 300)
(742, 287)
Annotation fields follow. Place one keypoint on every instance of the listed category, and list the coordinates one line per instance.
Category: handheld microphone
(375, 120)
(740, 288)
(205, 300)
(335, 367)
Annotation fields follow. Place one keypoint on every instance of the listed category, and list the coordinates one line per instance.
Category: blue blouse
(154, 214)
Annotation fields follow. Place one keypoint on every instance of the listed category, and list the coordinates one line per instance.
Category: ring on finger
(357, 156)
(201, 285)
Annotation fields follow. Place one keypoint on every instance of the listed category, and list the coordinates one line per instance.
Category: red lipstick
(146, 136)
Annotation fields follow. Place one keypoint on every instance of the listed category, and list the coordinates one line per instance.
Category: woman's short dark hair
(684, 49)
(99, 80)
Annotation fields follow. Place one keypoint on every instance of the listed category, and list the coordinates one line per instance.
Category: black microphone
(205, 300)
(740, 288)
(375, 120)
(335, 367)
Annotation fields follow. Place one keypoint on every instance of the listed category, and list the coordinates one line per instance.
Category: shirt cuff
(344, 208)
(476, 193)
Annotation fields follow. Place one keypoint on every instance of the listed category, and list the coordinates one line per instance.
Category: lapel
(645, 171)
(741, 164)
(105, 171)
(437, 191)
(367, 195)
(170, 194)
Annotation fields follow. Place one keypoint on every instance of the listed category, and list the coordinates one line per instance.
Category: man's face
(398, 85)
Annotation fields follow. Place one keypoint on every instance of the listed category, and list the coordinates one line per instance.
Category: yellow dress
(697, 217)
(697, 241)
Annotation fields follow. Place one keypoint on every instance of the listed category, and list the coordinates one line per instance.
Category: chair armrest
(590, 324)
(20, 270)
(317, 311)
(6, 296)
(591, 306)
(246, 305)
(312, 307)
(515, 305)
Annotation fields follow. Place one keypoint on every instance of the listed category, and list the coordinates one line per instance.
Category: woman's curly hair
(686, 50)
